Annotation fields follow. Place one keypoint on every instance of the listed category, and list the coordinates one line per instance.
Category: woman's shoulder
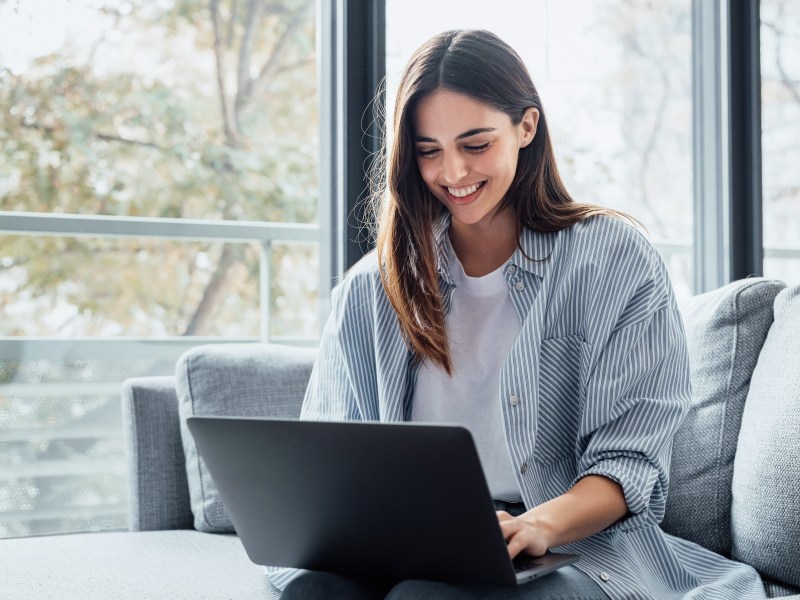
(613, 240)
(360, 282)
(616, 259)
(364, 272)
(611, 229)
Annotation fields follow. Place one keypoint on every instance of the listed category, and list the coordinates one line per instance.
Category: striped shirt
(597, 382)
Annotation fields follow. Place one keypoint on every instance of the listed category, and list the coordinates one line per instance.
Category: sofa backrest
(736, 461)
(725, 330)
(233, 379)
(765, 515)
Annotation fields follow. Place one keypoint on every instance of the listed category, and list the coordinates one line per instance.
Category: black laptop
(366, 500)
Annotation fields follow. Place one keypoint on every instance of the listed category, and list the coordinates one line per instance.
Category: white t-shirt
(481, 327)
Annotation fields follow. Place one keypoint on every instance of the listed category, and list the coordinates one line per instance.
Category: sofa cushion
(247, 380)
(725, 330)
(766, 501)
(180, 565)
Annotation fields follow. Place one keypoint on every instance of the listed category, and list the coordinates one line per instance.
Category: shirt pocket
(560, 398)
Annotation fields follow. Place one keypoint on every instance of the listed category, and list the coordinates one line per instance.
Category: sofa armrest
(157, 488)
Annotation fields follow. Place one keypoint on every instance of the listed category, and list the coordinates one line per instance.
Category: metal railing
(27, 446)
(263, 233)
(58, 455)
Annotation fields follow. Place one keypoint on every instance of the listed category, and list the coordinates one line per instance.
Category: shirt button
(605, 576)
(520, 286)
(511, 269)
(514, 400)
(523, 468)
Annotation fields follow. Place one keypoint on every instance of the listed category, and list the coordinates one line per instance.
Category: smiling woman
(476, 120)
(547, 327)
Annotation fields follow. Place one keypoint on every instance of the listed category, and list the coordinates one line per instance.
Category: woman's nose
(454, 168)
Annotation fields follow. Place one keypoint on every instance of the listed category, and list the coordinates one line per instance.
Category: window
(780, 142)
(615, 79)
(158, 189)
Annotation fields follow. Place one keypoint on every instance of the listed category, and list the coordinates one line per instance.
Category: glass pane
(87, 287)
(780, 137)
(62, 460)
(615, 79)
(122, 107)
(295, 291)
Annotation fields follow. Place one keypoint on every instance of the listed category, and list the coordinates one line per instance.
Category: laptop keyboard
(523, 562)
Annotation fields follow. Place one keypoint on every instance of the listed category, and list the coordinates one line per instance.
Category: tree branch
(786, 81)
(272, 65)
(255, 11)
(230, 134)
(212, 295)
(231, 23)
(101, 136)
(116, 138)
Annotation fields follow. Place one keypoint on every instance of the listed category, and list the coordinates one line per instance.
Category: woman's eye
(476, 149)
(426, 153)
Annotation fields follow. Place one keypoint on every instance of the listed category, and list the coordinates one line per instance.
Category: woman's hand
(523, 535)
(591, 505)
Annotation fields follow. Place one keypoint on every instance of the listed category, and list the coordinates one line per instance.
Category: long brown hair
(477, 64)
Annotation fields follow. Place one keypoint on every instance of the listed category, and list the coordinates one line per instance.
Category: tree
(186, 109)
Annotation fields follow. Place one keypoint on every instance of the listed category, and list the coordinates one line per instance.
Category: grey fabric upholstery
(252, 380)
(766, 510)
(152, 565)
(725, 330)
(779, 590)
(158, 494)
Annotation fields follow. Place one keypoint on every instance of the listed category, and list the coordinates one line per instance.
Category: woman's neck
(483, 247)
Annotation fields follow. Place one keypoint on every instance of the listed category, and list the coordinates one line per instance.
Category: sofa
(734, 473)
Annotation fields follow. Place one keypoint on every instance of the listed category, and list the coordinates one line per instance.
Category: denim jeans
(568, 583)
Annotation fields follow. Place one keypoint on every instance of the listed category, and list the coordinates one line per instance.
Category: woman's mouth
(464, 194)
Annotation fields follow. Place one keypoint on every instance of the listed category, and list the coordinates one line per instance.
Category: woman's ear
(527, 127)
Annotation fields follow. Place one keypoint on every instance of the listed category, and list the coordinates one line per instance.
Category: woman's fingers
(521, 536)
(511, 527)
(515, 546)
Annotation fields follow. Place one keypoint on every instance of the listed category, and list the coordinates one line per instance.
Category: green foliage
(131, 124)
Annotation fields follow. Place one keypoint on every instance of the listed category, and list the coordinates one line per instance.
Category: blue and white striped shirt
(600, 377)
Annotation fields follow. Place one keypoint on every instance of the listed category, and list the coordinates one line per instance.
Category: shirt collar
(536, 245)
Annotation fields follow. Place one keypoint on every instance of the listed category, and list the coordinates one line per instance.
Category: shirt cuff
(638, 479)
(280, 577)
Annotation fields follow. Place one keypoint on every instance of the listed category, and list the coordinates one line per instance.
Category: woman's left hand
(522, 535)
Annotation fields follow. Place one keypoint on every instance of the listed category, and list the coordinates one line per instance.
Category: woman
(549, 328)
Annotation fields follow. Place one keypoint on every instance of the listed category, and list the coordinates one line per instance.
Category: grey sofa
(735, 469)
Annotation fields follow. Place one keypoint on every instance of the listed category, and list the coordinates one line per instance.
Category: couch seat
(178, 564)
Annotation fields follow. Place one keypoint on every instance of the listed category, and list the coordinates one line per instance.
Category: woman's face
(467, 153)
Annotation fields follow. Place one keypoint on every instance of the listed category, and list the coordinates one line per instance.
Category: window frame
(726, 88)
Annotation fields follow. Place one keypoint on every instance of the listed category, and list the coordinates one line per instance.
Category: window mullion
(727, 141)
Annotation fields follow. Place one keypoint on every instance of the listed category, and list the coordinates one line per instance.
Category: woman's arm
(590, 506)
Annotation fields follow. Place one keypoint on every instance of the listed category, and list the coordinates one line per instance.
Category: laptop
(373, 501)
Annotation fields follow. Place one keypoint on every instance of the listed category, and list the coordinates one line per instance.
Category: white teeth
(465, 191)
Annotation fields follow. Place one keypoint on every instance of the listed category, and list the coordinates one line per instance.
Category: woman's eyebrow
(461, 136)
